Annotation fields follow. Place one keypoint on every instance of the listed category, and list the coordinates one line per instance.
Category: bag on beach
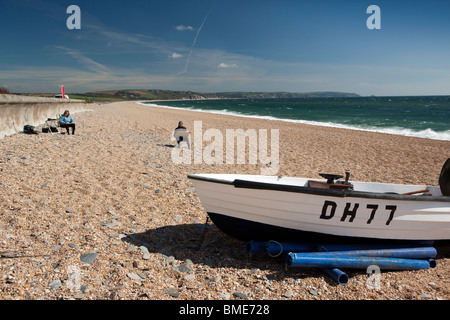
(29, 129)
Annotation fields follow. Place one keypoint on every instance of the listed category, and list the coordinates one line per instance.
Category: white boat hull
(261, 208)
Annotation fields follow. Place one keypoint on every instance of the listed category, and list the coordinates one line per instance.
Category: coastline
(425, 133)
(113, 193)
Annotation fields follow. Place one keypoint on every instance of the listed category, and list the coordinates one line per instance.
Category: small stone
(214, 279)
(189, 277)
(88, 258)
(178, 219)
(146, 254)
(288, 294)
(173, 292)
(70, 211)
(184, 267)
(425, 296)
(240, 295)
(55, 284)
(10, 279)
(111, 224)
(134, 276)
(313, 292)
(112, 212)
(8, 254)
(169, 260)
(225, 296)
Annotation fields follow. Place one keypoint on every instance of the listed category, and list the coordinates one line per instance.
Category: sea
(425, 117)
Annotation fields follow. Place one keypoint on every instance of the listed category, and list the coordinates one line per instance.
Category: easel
(49, 123)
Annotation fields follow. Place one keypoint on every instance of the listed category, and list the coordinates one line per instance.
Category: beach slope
(107, 214)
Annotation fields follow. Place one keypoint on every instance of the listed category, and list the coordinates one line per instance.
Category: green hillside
(154, 94)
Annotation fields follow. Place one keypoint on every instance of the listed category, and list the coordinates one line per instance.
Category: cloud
(130, 41)
(226, 66)
(184, 28)
(176, 55)
(84, 60)
(253, 74)
(48, 79)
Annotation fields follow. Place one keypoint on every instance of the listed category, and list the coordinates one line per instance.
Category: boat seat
(325, 185)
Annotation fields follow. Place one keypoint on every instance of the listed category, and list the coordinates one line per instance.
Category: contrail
(195, 40)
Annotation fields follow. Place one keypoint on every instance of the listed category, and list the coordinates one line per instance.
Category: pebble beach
(105, 214)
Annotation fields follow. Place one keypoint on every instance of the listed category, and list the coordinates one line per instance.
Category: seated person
(181, 136)
(66, 121)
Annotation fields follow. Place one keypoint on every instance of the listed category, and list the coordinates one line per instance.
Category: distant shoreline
(428, 134)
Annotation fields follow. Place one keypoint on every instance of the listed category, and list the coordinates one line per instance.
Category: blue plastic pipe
(405, 253)
(275, 249)
(371, 246)
(337, 275)
(329, 261)
(432, 263)
(259, 247)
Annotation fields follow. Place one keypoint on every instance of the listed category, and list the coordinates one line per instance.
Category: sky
(227, 45)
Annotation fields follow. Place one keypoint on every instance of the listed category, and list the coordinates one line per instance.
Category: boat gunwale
(246, 184)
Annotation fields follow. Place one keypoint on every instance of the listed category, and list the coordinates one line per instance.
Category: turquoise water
(423, 117)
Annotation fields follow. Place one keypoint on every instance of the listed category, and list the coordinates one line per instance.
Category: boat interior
(332, 183)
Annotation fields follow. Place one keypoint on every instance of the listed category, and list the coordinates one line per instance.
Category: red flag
(63, 96)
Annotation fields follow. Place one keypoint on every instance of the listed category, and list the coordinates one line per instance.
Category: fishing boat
(262, 208)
